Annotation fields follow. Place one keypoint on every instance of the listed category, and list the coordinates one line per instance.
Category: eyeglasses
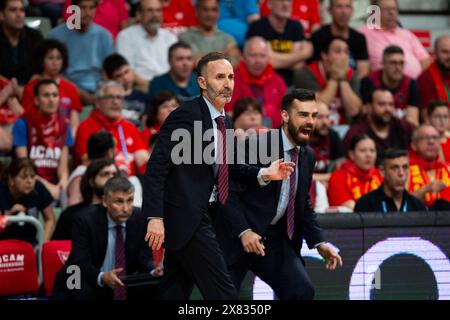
(429, 138)
(440, 117)
(112, 97)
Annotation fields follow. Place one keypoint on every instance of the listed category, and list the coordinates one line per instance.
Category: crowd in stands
(82, 104)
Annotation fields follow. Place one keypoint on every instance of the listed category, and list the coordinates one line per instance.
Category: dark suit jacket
(180, 193)
(89, 244)
(253, 207)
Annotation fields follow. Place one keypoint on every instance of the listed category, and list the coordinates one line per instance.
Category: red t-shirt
(446, 150)
(147, 133)
(350, 183)
(124, 156)
(304, 11)
(6, 115)
(68, 93)
(178, 15)
(428, 91)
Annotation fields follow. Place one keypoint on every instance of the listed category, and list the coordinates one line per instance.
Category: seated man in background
(439, 117)
(434, 82)
(131, 154)
(341, 12)
(180, 79)
(44, 136)
(389, 32)
(327, 145)
(145, 44)
(381, 125)
(255, 78)
(91, 188)
(391, 77)
(21, 191)
(392, 195)
(289, 48)
(205, 37)
(17, 42)
(117, 68)
(108, 245)
(429, 178)
(88, 46)
(333, 80)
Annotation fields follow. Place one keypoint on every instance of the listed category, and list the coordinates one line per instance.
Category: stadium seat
(18, 269)
(54, 255)
(42, 24)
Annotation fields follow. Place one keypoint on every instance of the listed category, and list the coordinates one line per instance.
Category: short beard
(213, 95)
(293, 133)
(380, 122)
(152, 27)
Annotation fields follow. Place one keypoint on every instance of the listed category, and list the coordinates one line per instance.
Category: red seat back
(54, 255)
(18, 268)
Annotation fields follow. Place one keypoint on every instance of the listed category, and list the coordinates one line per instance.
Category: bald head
(256, 55)
(442, 52)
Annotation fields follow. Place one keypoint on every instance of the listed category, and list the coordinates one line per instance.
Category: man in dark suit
(262, 229)
(107, 244)
(183, 188)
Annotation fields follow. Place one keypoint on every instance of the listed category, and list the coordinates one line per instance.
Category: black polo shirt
(16, 61)
(377, 201)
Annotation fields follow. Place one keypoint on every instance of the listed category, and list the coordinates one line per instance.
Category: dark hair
(17, 165)
(210, 57)
(112, 63)
(77, 2)
(372, 93)
(87, 191)
(302, 95)
(118, 183)
(44, 82)
(392, 50)
(357, 139)
(392, 153)
(178, 45)
(152, 140)
(155, 103)
(43, 48)
(4, 2)
(98, 145)
(326, 47)
(245, 104)
(434, 104)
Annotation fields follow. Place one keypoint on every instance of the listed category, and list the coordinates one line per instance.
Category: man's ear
(104, 201)
(285, 116)
(201, 82)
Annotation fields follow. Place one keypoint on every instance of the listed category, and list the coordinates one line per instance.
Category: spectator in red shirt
(434, 82)
(159, 109)
(178, 15)
(357, 176)
(439, 117)
(255, 78)
(44, 136)
(429, 177)
(10, 107)
(50, 61)
(304, 11)
(391, 77)
(336, 83)
(131, 154)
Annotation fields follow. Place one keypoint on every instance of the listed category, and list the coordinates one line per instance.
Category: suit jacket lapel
(206, 124)
(102, 231)
(130, 244)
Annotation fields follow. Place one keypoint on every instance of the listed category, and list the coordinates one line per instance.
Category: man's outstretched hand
(332, 259)
(155, 233)
(278, 170)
